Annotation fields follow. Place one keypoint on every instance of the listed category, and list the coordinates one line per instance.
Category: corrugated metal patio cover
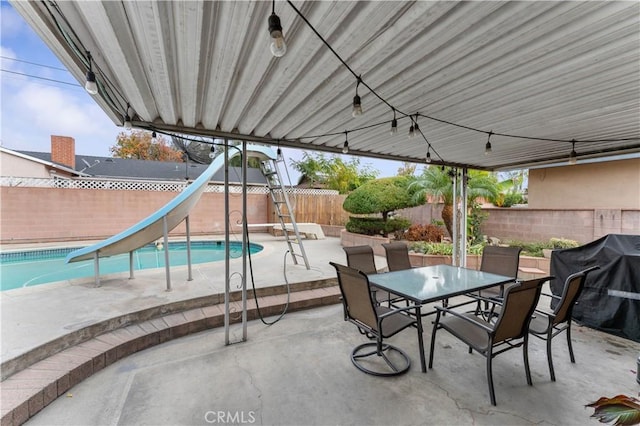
(557, 70)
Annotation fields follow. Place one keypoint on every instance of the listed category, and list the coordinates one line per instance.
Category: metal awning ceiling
(556, 70)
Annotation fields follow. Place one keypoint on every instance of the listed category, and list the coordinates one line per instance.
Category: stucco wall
(526, 224)
(607, 185)
(12, 165)
(68, 214)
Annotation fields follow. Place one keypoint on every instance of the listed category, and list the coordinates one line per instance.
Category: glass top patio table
(431, 283)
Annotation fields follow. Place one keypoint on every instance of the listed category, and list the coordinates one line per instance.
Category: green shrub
(535, 248)
(376, 225)
(443, 249)
(562, 243)
(426, 247)
(381, 196)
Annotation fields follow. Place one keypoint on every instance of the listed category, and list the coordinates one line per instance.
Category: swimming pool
(29, 268)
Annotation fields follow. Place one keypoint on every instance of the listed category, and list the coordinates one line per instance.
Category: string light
(416, 128)
(212, 153)
(91, 86)
(345, 147)
(411, 130)
(357, 105)
(394, 123)
(127, 119)
(153, 136)
(429, 154)
(573, 157)
(487, 147)
(279, 155)
(278, 46)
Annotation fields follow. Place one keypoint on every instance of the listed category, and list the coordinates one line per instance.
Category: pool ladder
(280, 199)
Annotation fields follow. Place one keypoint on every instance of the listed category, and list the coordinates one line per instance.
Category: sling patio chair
(376, 322)
(397, 256)
(497, 260)
(502, 261)
(547, 325)
(362, 258)
(509, 331)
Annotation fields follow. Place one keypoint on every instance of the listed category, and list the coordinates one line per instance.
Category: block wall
(52, 214)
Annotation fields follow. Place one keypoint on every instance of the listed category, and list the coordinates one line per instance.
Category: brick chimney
(63, 150)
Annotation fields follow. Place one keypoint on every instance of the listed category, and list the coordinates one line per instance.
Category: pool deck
(124, 362)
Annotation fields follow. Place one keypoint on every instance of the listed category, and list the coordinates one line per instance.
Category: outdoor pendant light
(411, 131)
(357, 105)
(345, 147)
(153, 136)
(429, 154)
(127, 119)
(394, 124)
(212, 153)
(90, 85)
(573, 157)
(278, 46)
(487, 147)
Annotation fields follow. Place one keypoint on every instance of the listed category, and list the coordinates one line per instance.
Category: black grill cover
(610, 300)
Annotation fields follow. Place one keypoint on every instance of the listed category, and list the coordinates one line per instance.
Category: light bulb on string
(357, 104)
(154, 136)
(127, 119)
(487, 147)
(345, 146)
(212, 152)
(411, 131)
(278, 46)
(91, 86)
(428, 154)
(394, 124)
(573, 157)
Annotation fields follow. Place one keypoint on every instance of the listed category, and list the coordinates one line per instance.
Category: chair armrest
(463, 317)
(397, 311)
(498, 301)
(553, 296)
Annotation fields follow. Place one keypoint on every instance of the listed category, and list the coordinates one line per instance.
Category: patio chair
(397, 256)
(491, 339)
(547, 325)
(502, 261)
(362, 258)
(376, 322)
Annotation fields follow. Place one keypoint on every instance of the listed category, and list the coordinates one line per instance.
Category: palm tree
(438, 182)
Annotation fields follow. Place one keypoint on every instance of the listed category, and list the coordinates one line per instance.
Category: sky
(34, 108)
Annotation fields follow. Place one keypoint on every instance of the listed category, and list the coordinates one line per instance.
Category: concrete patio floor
(298, 371)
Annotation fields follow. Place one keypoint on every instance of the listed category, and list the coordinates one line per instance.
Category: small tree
(333, 172)
(380, 196)
(139, 144)
(438, 182)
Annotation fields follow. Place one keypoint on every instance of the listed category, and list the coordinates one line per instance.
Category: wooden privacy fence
(315, 206)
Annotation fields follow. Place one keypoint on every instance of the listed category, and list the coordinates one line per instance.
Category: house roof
(44, 160)
(547, 72)
(122, 168)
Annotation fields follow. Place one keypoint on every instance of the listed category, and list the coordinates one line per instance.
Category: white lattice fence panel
(142, 185)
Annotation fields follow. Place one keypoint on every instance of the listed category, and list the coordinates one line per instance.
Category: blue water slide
(151, 228)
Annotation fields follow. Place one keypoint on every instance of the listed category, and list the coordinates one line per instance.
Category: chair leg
(525, 351)
(549, 356)
(492, 393)
(573, 360)
(433, 340)
(421, 344)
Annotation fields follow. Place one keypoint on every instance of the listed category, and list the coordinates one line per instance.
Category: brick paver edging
(31, 389)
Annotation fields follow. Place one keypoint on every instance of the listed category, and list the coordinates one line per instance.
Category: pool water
(29, 268)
